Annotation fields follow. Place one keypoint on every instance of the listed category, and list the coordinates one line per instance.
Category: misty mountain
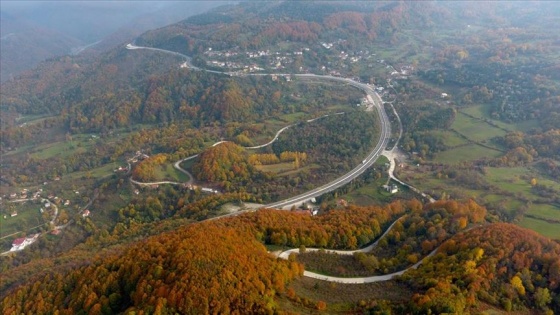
(39, 43)
(72, 27)
(164, 16)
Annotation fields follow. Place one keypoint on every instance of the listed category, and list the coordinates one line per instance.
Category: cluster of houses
(24, 194)
(234, 60)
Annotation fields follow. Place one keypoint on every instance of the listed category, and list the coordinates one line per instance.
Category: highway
(374, 154)
(385, 135)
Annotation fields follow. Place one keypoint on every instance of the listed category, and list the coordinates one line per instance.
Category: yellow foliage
(518, 285)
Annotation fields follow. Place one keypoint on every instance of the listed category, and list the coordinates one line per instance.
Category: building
(393, 189)
(86, 213)
(209, 190)
(22, 242)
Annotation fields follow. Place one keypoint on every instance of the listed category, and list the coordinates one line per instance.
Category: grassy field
(545, 211)
(551, 230)
(99, 172)
(465, 153)
(517, 179)
(476, 129)
(450, 139)
(481, 112)
(78, 144)
(28, 216)
(276, 168)
(168, 172)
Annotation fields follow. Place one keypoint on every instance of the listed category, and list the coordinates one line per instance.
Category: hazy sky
(85, 20)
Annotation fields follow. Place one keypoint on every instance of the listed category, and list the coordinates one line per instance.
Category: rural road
(380, 149)
(355, 280)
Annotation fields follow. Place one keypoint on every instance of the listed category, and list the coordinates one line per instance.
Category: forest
(184, 270)
(475, 89)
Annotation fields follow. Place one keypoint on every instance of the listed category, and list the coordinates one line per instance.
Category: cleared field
(465, 153)
(545, 211)
(292, 171)
(551, 230)
(480, 111)
(79, 144)
(450, 139)
(276, 168)
(509, 178)
(475, 129)
(168, 172)
(28, 216)
(517, 179)
(99, 172)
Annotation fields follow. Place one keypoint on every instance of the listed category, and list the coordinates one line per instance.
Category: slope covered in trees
(500, 264)
(221, 266)
(223, 163)
(184, 271)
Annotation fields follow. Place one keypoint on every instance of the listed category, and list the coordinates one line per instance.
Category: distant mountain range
(29, 36)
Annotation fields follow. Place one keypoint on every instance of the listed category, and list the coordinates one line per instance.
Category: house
(22, 242)
(86, 213)
(13, 196)
(67, 202)
(18, 244)
(209, 190)
(444, 95)
(13, 214)
(393, 189)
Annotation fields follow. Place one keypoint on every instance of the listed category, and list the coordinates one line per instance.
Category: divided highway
(374, 154)
(385, 135)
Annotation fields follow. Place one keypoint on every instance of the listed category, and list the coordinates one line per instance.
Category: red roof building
(18, 241)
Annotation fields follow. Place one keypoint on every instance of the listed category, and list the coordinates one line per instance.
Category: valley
(406, 155)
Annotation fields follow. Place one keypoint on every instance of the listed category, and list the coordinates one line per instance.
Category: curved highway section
(371, 95)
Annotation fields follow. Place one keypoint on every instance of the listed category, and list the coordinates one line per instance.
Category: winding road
(356, 280)
(380, 149)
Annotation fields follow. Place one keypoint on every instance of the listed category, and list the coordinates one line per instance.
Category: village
(47, 212)
(237, 63)
(291, 58)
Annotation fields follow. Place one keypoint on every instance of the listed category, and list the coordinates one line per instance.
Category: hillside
(38, 42)
(104, 156)
(187, 271)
